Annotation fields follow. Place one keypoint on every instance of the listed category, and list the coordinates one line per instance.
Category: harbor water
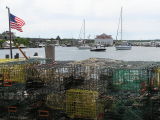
(92, 89)
(74, 54)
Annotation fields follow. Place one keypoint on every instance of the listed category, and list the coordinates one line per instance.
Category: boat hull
(98, 49)
(123, 47)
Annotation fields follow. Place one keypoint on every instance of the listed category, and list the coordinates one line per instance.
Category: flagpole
(10, 37)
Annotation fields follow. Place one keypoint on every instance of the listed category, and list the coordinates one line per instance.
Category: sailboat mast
(121, 22)
(84, 29)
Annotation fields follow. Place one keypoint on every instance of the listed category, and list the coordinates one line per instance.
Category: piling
(7, 56)
(50, 51)
(16, 56)
(35, 54)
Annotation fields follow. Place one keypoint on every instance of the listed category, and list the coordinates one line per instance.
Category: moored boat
(83, 47)
(98, 49)
(124, 44)
(82, 42)
(123, 47)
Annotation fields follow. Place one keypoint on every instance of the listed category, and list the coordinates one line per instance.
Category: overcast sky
(50, 18)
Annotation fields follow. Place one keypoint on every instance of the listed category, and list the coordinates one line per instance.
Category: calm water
(73, 53)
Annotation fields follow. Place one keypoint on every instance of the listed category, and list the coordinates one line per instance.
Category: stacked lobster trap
(59, 85)
(14, 97)
(134, 88)
(93, 89)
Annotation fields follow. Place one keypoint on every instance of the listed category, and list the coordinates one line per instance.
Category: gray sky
(50, 18)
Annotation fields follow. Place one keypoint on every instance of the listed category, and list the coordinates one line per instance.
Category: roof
(104, 36)
(8, 42)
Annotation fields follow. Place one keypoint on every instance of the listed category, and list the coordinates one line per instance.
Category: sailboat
(83, 46)
(124, 45)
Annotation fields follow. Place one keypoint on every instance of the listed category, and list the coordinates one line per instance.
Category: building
(6, 44)
(104, 39)
(6, 35)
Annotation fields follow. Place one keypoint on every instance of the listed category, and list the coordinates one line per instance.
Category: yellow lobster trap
(13, 73)
(82, 104)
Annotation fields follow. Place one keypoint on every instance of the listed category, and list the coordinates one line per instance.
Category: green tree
(1, 42)
(24, 41)
(58, 38)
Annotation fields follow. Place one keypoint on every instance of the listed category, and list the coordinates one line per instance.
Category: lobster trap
(90, 89)
(82, 104)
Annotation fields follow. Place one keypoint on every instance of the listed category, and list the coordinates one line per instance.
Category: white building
(104, 39)
(6, 44)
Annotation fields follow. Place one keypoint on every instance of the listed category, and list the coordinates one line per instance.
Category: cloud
(49, 18)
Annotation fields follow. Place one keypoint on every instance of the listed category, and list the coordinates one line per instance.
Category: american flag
(16, 23)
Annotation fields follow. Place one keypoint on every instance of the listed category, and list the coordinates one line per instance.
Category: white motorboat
(123, 47)
(83, 47)
(98, 49)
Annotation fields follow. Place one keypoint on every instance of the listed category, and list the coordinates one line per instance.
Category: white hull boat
(98, 49)
(84, 47)
(124, 44)
(123, 47)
